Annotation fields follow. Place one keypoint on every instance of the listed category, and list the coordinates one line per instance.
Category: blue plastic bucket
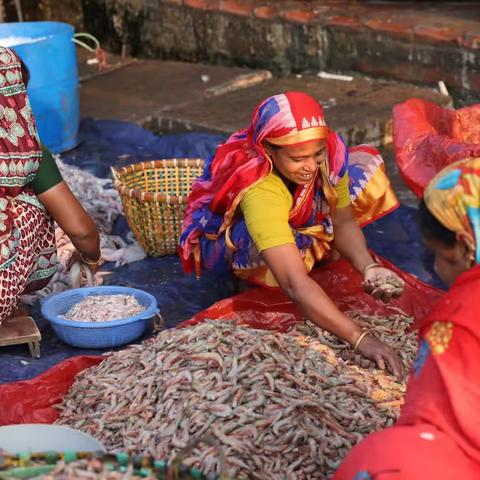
(53, 89)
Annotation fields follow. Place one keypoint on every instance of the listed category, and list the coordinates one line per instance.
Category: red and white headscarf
(291, 118)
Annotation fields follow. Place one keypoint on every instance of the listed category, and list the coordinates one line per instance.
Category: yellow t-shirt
(266, 207)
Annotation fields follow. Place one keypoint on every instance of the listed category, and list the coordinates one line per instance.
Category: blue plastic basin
(98, 334)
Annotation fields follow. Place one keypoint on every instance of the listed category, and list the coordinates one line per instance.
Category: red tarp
(427, 137)
(30, 401)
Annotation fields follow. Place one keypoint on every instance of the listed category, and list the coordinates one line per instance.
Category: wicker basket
(154, 197)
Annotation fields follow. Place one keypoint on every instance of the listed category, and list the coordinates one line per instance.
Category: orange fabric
(377, 198)
(300, 137)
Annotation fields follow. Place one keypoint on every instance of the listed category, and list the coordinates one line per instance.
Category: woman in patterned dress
(32, 196)
(438, 433)
(277, 197)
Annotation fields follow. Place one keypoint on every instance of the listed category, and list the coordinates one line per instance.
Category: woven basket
(154, 197)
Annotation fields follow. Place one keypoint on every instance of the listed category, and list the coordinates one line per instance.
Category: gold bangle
(84, 260)
(359, 340)
(368, 267)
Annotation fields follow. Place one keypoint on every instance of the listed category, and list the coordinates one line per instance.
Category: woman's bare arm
(349, 239)
(72, 218)
(288, 268)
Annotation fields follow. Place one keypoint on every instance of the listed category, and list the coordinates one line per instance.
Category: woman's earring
(470, 257)
(472, 260)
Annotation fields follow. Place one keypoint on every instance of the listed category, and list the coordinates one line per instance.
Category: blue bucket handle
(100, 55)
(76, 40)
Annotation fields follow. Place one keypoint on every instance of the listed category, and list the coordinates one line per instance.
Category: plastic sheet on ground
(104, 143)
(30, 401)
(428, 137)
(271, 309)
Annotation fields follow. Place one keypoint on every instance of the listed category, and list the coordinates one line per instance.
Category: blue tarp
(105, 143)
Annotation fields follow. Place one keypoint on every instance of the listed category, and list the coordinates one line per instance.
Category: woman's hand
(384, 356)
(382, 283)
(349, 241)
(78, 258)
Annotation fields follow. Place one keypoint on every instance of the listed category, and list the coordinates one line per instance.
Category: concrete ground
(173, 97)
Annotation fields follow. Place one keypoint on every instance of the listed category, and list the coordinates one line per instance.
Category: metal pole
(18, 6)
(2, 11)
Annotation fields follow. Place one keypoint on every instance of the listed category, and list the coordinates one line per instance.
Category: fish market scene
(239, 240)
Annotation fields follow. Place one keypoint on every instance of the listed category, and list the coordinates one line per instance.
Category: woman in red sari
(438, 433)
(278, 197)
(32, 196)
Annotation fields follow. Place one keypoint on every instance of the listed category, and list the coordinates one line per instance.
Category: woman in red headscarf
(32, 196)
(438, 433)
(277, 197)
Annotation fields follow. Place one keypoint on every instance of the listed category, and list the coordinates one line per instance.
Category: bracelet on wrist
(88, 262)
(359, 340)
(369, 267)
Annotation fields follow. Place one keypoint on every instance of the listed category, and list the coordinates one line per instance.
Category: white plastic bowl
(37, 438)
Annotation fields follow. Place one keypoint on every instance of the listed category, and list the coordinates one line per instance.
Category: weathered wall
(435, 43)
(313, 38)
(120, 23)
(69, 11)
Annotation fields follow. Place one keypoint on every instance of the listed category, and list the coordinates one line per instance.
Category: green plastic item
(24, 456)
(26, 472)
(25, 465)
(69, 457)
(122, 458)
(196, 474)
(160, 464)
(51, 457)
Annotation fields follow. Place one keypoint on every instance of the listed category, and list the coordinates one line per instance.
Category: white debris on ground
(102, 202)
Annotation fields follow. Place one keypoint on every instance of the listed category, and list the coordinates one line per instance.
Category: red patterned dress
(27, 236)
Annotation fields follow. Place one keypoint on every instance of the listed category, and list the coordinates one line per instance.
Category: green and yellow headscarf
(453, 197)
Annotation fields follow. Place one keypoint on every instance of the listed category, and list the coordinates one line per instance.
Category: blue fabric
(104, 143)
(397, 237)
(421, 358)
(179, 296)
